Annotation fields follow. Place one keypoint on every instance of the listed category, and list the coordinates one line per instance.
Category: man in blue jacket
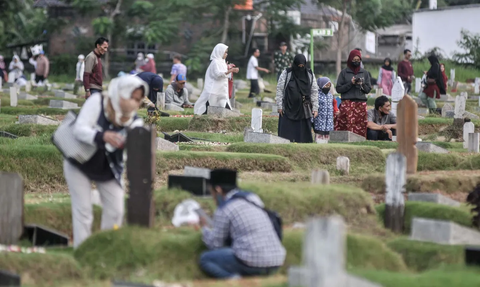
(155, 82)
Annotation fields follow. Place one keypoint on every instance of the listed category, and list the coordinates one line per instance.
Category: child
(327, 108)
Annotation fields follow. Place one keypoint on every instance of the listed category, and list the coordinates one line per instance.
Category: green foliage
(85, 6)
(102, 25)
(63, 64)
(470, 43)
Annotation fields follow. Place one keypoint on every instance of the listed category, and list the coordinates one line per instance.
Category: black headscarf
(389, 67)
(435, 73)
(298, 87)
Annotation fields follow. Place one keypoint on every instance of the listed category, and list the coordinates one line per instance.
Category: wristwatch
(87, 90)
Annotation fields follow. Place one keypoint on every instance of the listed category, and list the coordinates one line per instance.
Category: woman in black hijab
(434, 85)
(297, 101)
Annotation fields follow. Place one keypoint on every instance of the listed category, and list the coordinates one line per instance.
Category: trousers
(111, 195)
(222, 263)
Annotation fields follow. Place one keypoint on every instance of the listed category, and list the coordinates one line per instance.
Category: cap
(181, 77)
(223, 177)
(283, 44)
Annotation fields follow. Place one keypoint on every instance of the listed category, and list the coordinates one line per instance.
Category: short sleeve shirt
(375, 117)
(178, 69)
(252, 72)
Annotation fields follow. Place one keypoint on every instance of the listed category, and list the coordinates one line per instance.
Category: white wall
(441, 28)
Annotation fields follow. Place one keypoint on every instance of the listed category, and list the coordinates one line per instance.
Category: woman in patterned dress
(327, 108)
(353, 84)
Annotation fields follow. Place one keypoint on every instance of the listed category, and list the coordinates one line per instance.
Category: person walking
(283, 59)
(434, 85)
(177, 68)
(93, 74)
(353, 84)
(102, 123)
(80, 69)
(327, 109)
(386, 77)
(252, 73)
(405, 71)
(297, 101)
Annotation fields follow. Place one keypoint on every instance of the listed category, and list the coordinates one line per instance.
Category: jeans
(92, 91)
(408, 87)
(222, 263)
(373, 135)
(254, 89)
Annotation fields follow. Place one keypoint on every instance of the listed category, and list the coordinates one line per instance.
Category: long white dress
(215, 90)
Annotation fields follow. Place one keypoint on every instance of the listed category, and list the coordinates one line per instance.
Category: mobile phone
(202, 214)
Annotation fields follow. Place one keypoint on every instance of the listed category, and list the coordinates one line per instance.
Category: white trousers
(112, 197)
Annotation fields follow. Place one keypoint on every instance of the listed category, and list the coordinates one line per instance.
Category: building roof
(56, 3)
(448, 8)
(309, 7)
(395, 30)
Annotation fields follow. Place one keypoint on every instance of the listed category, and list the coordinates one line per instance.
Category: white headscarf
(218, 52)
(123, 88)
(140, 56)
(150, 56)
(81, 57)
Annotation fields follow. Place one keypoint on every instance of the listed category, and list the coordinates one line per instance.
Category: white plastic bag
(184, 213)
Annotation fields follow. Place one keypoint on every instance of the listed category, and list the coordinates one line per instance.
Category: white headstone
(200, 83)
(32, 78)
(343, 165)
(257, 120)
(477, 86)
(13, 96)
(320, 176)
(398, 91)
(1, 79)
(474, 142)
(418, 85)
(468, 128)
(460, 101)
(28, 87)
(379, 92)
(161, 100)
(395, 179)
(452, 76)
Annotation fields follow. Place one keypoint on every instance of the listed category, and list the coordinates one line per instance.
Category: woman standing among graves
(444, 76)
(327, 108)
(16, 69)
(434, 85)
(353, 84)
(297, 101)
(102, 123)
(215, 89)
(386, 77)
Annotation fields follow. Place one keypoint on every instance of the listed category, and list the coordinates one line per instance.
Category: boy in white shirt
(252, 73)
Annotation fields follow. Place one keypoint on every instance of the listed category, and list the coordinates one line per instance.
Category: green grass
(394, 145)
(32, 111)
(216, 137)
(46, 101)
(430, 210)
(236, 124)
(29, 130)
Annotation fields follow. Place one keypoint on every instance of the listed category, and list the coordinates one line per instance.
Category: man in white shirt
(252, 73)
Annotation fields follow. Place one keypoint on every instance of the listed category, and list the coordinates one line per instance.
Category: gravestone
(474, 142)
(196, 172)
(345, 136)
(343, 165)
(407, 132)
(13, 97)
(59, 94)
(422, 111)
(69, 87)
(141, 170)
(398, 92)
(476, 89)
(37, 120)
(64, 105)
(447, 107)
(395, 179)
(1, 83)
(468, 128)
(26, 96)
(161, 101)
(32, 79)
(452, 77)
(28, 87)
(9, 279)
(472, 256)
(378, 92)
(460, 101)
(42, 236)
(443, 232)
(253, 137)
(240, 84)
(450, 114)
(446, 98)
(257, 120)
(268, 100)
(200, 83)
(165, 145)
(5, 134)
(11, 208)
(418, 85)
(432, 197)
(265, 105)
(320, 176)
(324, 257)
(221, 112)
(172, 107)
(193, 184)
(470, 116)
(275, 111)
(429, 147)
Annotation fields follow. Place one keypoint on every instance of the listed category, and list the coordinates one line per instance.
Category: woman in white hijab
(102, 123)
(215, 90)
(16, 69)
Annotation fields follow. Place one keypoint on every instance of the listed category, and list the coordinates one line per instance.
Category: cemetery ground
(279, 173)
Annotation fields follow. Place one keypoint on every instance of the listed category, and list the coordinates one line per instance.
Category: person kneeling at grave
(382, 124)
(244, 239)
(177, 94)
(102, 124)
(155, 83)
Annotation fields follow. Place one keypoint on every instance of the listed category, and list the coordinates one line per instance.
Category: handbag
(431, 81)
(307, 108)
(66, 142)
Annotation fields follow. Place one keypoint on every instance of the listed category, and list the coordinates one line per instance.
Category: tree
(470, 43)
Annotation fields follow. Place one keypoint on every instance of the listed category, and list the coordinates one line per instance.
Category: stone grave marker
(32, 79)
(275, 111)
(474, 142)
(432, 197)
(59, 94)
(378, 92)
(13, 97)
(26, 96)
(422, 111)
(37, 120)
(324, 257)
(196, 172)
(268, 100)
(452, 77)
(10, 279)
(257, 120)
(265, 105)
(253, 137)
(407, 132)
(395, 179)
(345, 136)
(343, 165)
(222, 112)
(468, 128)
(161, 101)
(418, 85)
(398, 92)
(430, 147)
(320, 176)
(64, 105)
(11, 208)
(446, 107)
(476, 89)
(69, 87)
(460, 101)
(172, 107)
(443, 232)
(164, 145)
(1, 83)
(141, 172)
(470, 116)
(28, 87)
(200, 83)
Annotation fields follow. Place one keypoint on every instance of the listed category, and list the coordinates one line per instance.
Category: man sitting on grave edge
(382, 124)
(243, 240)
(177, 94)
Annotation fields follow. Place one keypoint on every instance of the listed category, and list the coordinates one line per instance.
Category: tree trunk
(109, 37)
(226, 24)
(338, 64)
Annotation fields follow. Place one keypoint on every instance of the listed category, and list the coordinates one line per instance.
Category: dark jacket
(350, 91)
(154, 81)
